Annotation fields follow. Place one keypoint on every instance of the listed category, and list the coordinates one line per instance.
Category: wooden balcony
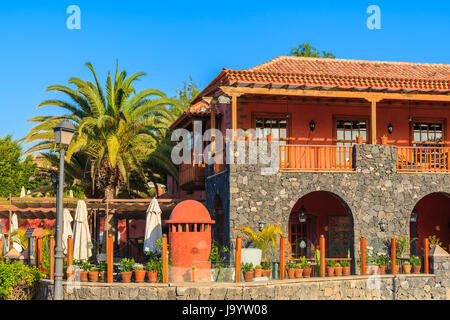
(192, 176)
(316, 158)
(423, 159)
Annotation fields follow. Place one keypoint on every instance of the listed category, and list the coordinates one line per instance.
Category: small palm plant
(264, 239)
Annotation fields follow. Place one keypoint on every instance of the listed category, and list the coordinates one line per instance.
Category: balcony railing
(423, 159)
(192, 176)
(316, 158)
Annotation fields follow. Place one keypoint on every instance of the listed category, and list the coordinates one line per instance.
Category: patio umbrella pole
(59, 254)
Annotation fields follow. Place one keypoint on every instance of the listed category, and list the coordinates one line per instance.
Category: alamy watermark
(74, 20)
(374, 20)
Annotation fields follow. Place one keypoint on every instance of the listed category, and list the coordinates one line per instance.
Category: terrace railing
(316, 158)
(423, 159)
(192, 174)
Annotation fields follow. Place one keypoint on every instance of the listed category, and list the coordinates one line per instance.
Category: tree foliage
(306, 50)
(264, 239)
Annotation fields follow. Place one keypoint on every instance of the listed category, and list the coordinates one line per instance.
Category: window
(427, 133)
(276, 124)
(348, 128)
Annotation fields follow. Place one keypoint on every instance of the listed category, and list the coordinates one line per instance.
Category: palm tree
(116, 130)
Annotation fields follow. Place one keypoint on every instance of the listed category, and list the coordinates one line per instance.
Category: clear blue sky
(170, 40)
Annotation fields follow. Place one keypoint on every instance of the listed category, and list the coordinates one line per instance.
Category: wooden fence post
(237, 258)
(363, 256)
(109, 258)
(165, 257)
(426, 262)
(29, 250)
(38, 252)
(282, 258)
(70, 270)
(393, 256)
(322, 255)
(52, 257)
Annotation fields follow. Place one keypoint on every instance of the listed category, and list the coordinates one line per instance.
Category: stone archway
(430, 217)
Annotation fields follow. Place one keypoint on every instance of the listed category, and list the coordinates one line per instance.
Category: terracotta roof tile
(346, 73)
(198, 109)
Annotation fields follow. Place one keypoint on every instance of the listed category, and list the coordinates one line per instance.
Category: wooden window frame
(344, 117)
(285, 115)
(428, 120)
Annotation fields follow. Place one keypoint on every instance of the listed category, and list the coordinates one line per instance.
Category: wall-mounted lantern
(414, 215)
(302, 214)
(390, 128)
(312, 125)
(383, 225)
(261, 224)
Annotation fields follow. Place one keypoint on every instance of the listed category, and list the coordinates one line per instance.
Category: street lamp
(302, 214)
(261, 224)
(64, 132)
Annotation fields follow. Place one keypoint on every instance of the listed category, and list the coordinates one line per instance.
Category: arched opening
(430, 217)
(320, 213)
(218, 215)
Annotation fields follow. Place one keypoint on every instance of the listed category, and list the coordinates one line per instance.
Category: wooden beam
(322, 255)
(109, 258)
(9, 222)
(373, 121)
(282, 258)
(231, 91)
(234, 115)
(425, 256)
(165, 257)
(363, 256)
(237, 260)
(393, 256)
(52, 257)
(70, 270)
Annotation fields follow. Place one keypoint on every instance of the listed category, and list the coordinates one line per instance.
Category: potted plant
(384, 139)
(290, 266)
(152, 271)
(247, 269)
(126, 269)
(269, 137)
(258, 271)
(246, 135)
(381, 261)
(298, 270)
(345, 267)
(84, 269)
(193, 273)
(139, 274)
(359, 139)
(267, 268)
(306, 266)
(330, 267)
(416, 263)
(338, 269)
(407, 267)
(103, 267)
(93, 274)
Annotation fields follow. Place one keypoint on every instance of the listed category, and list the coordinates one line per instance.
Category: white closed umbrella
(15, 227)
(81, 237)
(67, 229)
(22, 192)
(153, 230)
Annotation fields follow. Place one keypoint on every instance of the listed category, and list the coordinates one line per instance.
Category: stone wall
(373, 191)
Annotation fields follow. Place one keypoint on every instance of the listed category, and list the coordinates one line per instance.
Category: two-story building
(394, 182)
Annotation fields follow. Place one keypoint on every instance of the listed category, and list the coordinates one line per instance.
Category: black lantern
(414, 215)
(312, 125)
(382, 225)
(390, 128)
(64, 132)
(302, 214)
(261, 224)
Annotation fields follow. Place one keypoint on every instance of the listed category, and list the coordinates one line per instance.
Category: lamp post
(63, 136)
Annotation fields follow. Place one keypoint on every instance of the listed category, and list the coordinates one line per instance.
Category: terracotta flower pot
(139, 275)
(83, 276)
(152, 276)
(359, 140)
(407, 268)
(267, 273)
(346, 271)
(338, 271)
(103, 276)
(306, 272)
(194, 275)
(384, 140)
(374, 269)
(416, 269)
(298, 273)
(248, 276)
(269, 138)
(258, 273)
(126, 276)
(93, 276)
(247, 138)
(291, 273)
(330, 271)
(382, 269)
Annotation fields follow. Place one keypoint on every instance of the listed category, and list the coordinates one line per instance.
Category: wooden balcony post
(237, 269)
(322, 255)
(373, 121)
(52, 257)
(282, 258)
(363, 256)
(425, 257)
(165, 256)
(70, 270)
(30, 241)
(109, 258)
(393, 256)
(38, 252)
(9, 224)
(234, 116)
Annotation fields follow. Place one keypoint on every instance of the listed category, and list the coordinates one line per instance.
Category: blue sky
(170, 40)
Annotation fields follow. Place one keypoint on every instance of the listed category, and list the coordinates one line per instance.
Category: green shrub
(247, 267)
(17, 280)
(345, 263)
(126, 265)
(304, 263)
(415, 261)
(330, 263)
(266, 265)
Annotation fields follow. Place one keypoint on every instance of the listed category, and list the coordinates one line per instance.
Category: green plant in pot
(139, 274)
(267, 268)
(345, 267)
(126, 269)
(407, 267)
(152, 270)
(258, 271)
(291, 266)
(306, 266)
(330, 264)
(103, 268)
(416, 262)
(218, 257)
(84, 270)
(247, 269)
(338, 268)
(93, 274)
